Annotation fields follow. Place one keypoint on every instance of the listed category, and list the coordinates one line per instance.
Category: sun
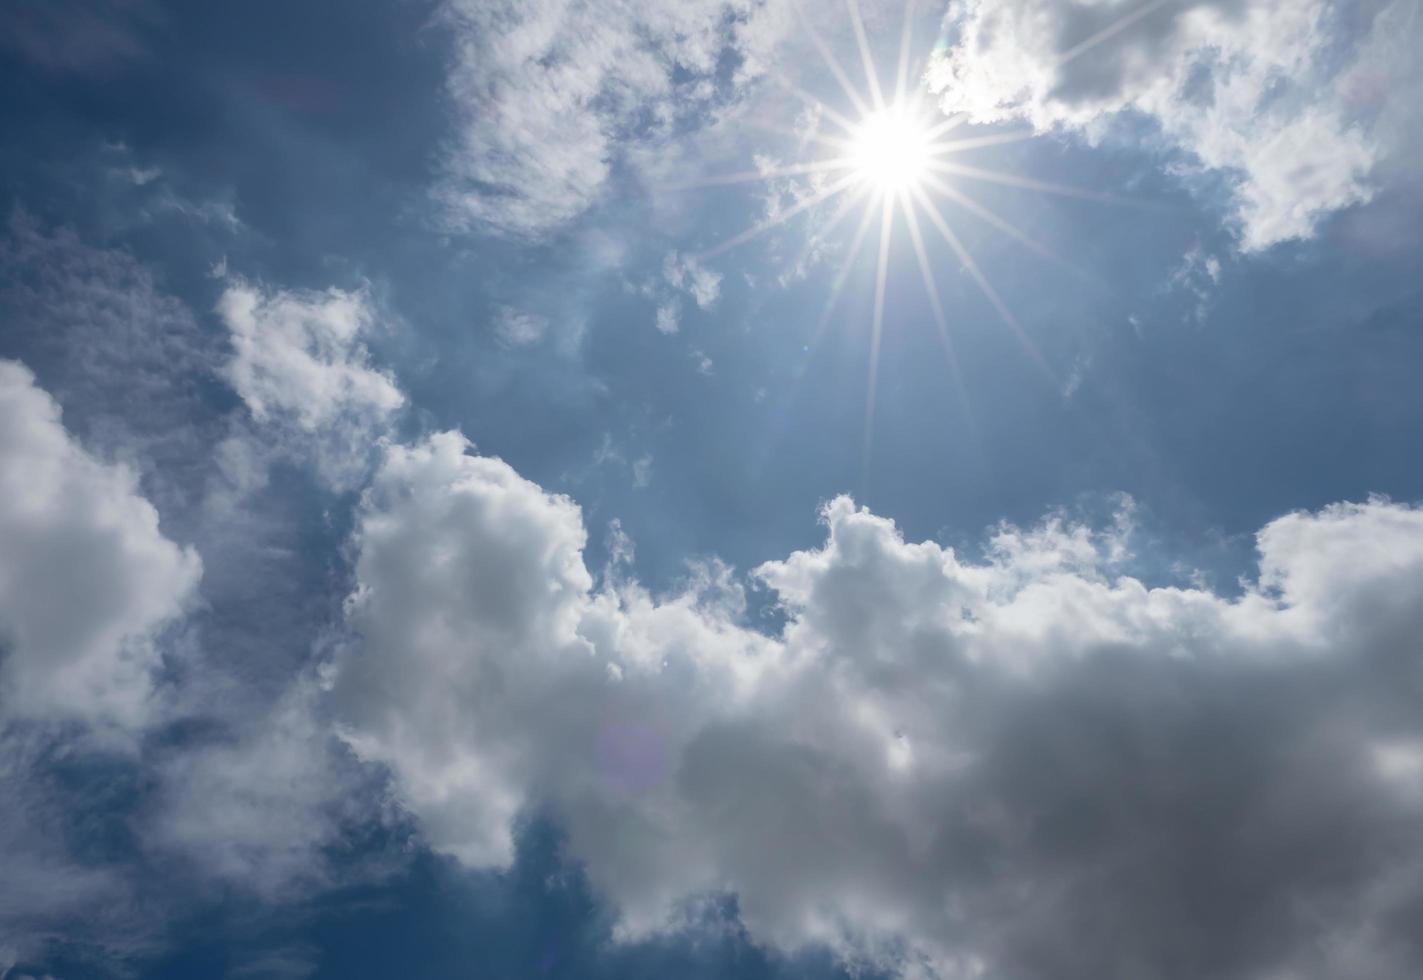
(890, 150)
(896, 157)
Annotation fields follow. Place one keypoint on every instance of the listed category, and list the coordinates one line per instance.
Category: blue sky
(469, 507)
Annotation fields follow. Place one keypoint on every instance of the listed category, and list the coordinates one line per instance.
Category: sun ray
(1112, 29)
(788, 132)
(821, 234)
(863, 43)
(785, 216)
(1003, 225)
(1025, 183)
(974, 142)
(877, 327)
(756, 176)
(831, 61)
(839, 118)
(906, 39)
(948, 125)
(941, 321)
(931, 288)
(937, 219)
(842, 275)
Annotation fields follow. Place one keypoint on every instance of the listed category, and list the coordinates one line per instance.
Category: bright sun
(890, 150)
(894, 156)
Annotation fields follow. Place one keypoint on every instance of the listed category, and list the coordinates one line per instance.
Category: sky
(727, 488)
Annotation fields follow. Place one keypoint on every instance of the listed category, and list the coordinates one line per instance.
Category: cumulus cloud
(87, 578)
(1248, 88)
(1023, 764)
(299, 354)
(552, 93)
(302, 368)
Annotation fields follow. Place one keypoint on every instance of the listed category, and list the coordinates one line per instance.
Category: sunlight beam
(901, 74)
(752, 176)
(1024, 183)
(1002, 224)
(842, 275)
(974, 142)
(823, 234)
(931, 287)
(770, 223)
(936, 306)
(831, 61)
(1111, 30)
(949, 124)
(877, 327)
(863, 42)
(839, 118)
(937, 219)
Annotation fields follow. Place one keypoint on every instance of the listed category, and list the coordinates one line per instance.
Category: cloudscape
(593, 489)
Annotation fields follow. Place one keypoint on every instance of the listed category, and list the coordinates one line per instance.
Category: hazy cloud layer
(1027, 764)
(1278, 97)
(86, 36)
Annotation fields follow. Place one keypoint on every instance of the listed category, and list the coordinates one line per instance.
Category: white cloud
(515, 328)
(553, 92)
(1198, 274)
(686, 273)
(301, 366)
(261, 809)
(300, 355)
(86, 576)
(667, 320)
(1029, 762)
(1248, 88)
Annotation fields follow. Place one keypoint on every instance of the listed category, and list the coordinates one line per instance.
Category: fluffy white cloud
(86, 576)
(1250, 88)
(1029, 764)
(301, 366)
(300, 355)
(552, 92)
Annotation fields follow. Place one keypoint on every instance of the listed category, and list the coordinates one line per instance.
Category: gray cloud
(86, 577)
(1025, 765)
